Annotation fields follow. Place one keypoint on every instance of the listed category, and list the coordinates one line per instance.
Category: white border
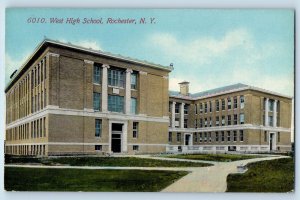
(140, 4)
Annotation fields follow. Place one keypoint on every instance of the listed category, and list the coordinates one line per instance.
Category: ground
(211, 177)
(214, 157)
(45, 179)
(105, 161)
(268, 176)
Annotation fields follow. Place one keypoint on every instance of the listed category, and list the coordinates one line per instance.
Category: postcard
(149, 100)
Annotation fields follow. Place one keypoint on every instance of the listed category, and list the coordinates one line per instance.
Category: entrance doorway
(272, 142)
(116, 137)
(187, 139)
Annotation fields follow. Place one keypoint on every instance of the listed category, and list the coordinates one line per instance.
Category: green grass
(42, 179)
(266, 176)
(104, 161)
(214, 157)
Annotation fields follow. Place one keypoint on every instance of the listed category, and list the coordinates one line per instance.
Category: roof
(222, 90)
(47, 42)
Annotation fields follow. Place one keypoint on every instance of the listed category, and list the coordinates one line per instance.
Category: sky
(210, 48)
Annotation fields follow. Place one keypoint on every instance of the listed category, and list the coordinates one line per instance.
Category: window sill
(117, 87)
(97, 84)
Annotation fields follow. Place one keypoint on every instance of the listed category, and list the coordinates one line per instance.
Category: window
(201, 108)
(97, 101)
(170, 136)
(186, 109)
(195, 137)
(217, 136)
(97, 74)
(228, 136)
(196, 125)
(241, 135)
(278, 137)
(133, 81)
(32, 79)
(223, 120)
(38, 75)
(98, 147)
(205, 107)
(200, 137)
(176, 108)
(210, 122)
(201, 123)
(210, 106)
(266, 136)
(135, 129)
(234, 102)
(170, 107)
(235, 119)
(115, 103)
(234, 136)
(178, 137)
(44, 125)
(228, 119)
(205, 137)
(98, 127)
(176, 122)
(45, 69)
(135, 147)
(228, 103)
(270, 120)
(116, 78)
(217, 105)
(196, 109)
(271, 105)
(205, 122)
(242, 118)
(185, 123)
(242, 102)
(217, 121)
(223, 104)
(133, 106)
(209, 136)
(42, 71)
(223, 136)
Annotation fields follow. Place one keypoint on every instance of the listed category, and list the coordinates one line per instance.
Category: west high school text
(74, 21)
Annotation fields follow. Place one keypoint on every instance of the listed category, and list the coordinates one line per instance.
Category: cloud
(201, 50)
(12, 64)
(235, 57)
(85, 43)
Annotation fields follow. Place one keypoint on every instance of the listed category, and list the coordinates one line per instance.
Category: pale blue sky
(209, 48)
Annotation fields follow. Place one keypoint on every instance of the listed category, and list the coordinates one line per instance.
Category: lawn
(104, 161)
(214, 157)
(42, 179)
(266, 176)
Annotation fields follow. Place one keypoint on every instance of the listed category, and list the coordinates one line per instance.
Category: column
(182, 115)
(275, 114)
(128, 91)
(104, 88)
(267, 112)
(173, 114)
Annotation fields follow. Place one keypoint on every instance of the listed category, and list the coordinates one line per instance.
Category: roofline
(231, 91)
(72, 46)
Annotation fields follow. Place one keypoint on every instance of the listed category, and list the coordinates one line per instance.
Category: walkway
(201, 179)
(210, 179)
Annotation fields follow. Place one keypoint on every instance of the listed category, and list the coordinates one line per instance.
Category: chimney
(184, 88)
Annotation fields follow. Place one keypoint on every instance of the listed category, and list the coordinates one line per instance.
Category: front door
(116, 143)
(271, 141)
(116, 137)
(187, 139)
